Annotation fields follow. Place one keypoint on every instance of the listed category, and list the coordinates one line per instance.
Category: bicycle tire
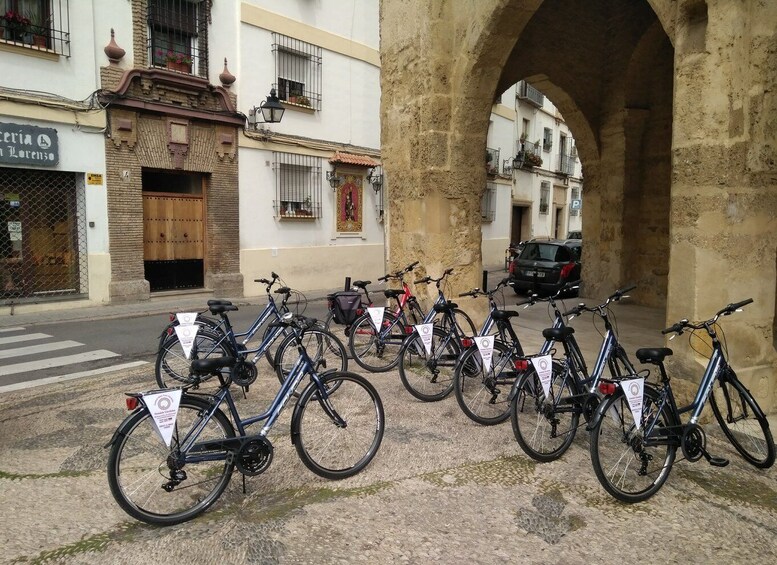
(138, 455)
(320, 441)
(340, 331)
(372, 352)
(321, 346)
(172, 368)
(545, 426)
(749, 434)
(484, 396)
(616, 444)
(204, 322)
(429, 377)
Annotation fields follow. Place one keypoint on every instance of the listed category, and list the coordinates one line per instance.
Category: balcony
(41, 30)
(492, 161)
(528, 155)
(530, 94)
(566, 164)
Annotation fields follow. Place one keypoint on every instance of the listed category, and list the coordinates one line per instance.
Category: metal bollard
(347, 283)
(485, 280)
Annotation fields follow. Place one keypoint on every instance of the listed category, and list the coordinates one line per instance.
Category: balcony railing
(40, 30)
(492, 161)
(530, 94)
(566, 164)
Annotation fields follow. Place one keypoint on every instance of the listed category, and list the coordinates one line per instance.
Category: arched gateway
(673, 104)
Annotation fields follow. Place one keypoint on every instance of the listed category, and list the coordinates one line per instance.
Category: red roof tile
(352, 159)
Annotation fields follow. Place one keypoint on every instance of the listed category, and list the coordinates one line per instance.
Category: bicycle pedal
(718, 461)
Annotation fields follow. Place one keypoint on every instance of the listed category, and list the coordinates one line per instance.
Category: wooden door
(173, 227)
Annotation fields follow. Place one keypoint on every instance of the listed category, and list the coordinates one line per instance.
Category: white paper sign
(633, 389)
(486, 348)
(186, 335)
(425, 331)
(376, 315)
(544, 367)
(186, 318)
(164, 410)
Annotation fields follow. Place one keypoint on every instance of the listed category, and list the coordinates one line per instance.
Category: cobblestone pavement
(442, 489)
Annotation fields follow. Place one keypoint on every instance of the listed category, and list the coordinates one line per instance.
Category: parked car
(575, 235)
(545, 266)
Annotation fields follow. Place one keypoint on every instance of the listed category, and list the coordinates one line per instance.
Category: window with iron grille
(38, 24)
(42, 235)
(492, 161)
(488, 203)
(544, 197)
(177, 32)
(547, 139)
(575, 196)
(297, 186)
(298, 71)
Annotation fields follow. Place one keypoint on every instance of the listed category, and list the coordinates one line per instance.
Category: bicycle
(338, 415)
(173, 365)
(427, 371)
(483, 394)
(339, 316)
(545, 417)
(633, 456)
(378, 351)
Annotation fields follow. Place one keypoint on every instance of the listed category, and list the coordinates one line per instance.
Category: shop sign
(28, 145)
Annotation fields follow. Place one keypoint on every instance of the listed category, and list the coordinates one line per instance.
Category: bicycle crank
(254, 456)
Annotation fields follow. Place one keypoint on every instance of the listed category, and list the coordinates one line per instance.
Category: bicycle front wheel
(741, 420)
(545, 424)
(173, 368)
(338, 436)
(630, 465)
(160, 485)
(429, 376)
(324, 349)
(376, 351)
(483, 395)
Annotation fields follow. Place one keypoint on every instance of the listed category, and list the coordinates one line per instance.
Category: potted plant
(17, 26)
(303, 100)
(175, 61)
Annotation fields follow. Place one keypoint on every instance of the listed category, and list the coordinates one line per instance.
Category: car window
(563, 255)
(540, 252)
(577, 251)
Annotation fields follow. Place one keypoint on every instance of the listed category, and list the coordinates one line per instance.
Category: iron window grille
(488, 203)
(492, 161)
(297, 186)
(575, 196)
(544, 197)
(566, 164)
(530, 94)
(177, 35)
(547, 139)
(43, 25)
(298, 71)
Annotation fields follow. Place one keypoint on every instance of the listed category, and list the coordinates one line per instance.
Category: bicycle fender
(599, 414)
(730, 376)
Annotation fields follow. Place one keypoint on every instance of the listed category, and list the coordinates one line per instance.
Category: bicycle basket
(344, 305)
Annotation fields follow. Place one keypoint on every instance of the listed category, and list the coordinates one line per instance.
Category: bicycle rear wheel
(372, 350)
(545, 425)
(742, 421)
(172, 368)
(628, 465)
(326, 446)
(429, 376)
(156, 484)
(483, 395)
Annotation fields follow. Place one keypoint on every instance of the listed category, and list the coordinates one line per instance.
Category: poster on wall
(349, 205)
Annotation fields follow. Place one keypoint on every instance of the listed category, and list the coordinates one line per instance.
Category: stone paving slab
(441, 490)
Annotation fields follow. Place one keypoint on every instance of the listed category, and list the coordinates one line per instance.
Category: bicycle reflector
(607, 388)
(132, 402)
(172, 317)
(521, 364)
(467, 342)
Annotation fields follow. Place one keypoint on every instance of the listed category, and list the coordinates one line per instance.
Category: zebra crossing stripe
(57, 361)
(35, 349)
(25, 337)
(71, 376)
(11, 330)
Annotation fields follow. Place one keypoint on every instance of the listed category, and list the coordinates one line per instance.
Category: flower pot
(40, 41)
(179, 67)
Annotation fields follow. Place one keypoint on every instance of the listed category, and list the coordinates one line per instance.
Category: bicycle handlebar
(684, 323)
(398, 274)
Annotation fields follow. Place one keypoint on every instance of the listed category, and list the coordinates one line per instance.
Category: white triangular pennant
(186, 318)
(633, 389)
(425, 331)
(486, 348)
(376, 315)
(186, 335)
(544, 367)
(163, 407)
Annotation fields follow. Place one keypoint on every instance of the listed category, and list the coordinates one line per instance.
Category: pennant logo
(425, 331)
(544, 367)
(186, 335)
(163, 407)
(376, 315)
(634, 389)
(486, 348)
(186, 318)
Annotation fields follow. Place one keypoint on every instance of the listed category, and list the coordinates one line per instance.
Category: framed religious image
(350, 204)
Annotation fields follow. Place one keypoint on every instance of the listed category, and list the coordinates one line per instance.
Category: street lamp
(334, 180)
(271, 110)
(375, 179)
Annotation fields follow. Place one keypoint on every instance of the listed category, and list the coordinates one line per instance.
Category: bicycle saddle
(218, 302)
(447, 307)
(504, 314)
(361, 284)
(221, 308)
(393, 293)
(557, 334)
(211, 364)
(653, 355)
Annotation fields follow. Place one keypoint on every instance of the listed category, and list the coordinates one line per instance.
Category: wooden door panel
(172, 227)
